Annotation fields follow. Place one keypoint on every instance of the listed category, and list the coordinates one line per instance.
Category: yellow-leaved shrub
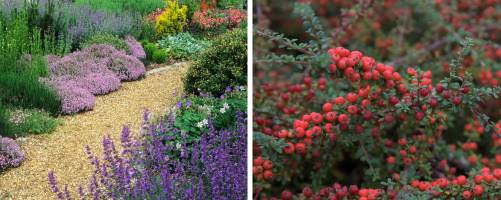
(172, 20)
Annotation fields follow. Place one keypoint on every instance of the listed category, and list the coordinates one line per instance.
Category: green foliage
(159, 56)
(25, 90)
(149, 49)
(196, 110)
(147, 31)
(21, 122)
(172, 20)
(182, 46)
(192, 5)
(222, 64)
(141, 6)
(4, 118)
(105, 38)
(16, 40)
(226, 4)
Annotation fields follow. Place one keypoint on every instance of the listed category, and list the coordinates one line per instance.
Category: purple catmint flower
(188, 103)
(213, 167)
(179, 104)
(10, 154)
(54, 187)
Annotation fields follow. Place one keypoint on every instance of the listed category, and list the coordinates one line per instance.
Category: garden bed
(62, 151)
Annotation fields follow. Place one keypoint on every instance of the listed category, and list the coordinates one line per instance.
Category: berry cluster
(395, 120)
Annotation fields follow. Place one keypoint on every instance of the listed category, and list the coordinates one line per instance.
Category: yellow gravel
(62, 150)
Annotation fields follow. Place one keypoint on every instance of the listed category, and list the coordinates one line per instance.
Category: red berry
(477, 190)
(327, 107)
(286, 195)
(391, 160)
(343, 119)
(461, 180)
(439, 88)
(267, 174)
(352, 109)
(339, 101)
(307, 192)
(352, 97)
(267, 164)
(467, 194)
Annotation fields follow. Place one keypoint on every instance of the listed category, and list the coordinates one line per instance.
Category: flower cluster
(211, 19)
(95, 70)
(154, 166)
(135, 48)
(10, 154)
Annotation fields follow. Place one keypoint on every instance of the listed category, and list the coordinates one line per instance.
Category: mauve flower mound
(10, 154)
(157, 167)
(73, 98)
(95, 70)
(135, 48)
(126, 67)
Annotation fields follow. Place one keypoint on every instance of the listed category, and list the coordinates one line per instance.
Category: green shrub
(25, 90)
(192, 5)
(147, 31)
(226, 4)
(150, 49)
(159, 56)
(105, 38)
(21, 122)
(222, 64)
(172, 20)
(182, 46)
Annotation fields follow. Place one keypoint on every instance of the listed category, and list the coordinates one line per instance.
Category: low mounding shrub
(135, 48)
(182, 46)
(222, 64)
(212, 168)
(105, 38)
(95, 70)
(82, 70)
(10, 154)
(172, 20)
(126, 67)
(28, 121)
(159, 56)
(74, 98)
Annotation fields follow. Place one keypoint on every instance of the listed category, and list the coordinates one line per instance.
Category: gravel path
(62, 150)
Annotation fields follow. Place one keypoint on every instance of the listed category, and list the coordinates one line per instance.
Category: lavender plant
(10, 154)
(213, 168)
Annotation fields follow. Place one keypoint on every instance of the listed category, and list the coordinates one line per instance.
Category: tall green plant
(25, 90)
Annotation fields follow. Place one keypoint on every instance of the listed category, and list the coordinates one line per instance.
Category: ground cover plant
(194, 112)
(182, 46)
(350, 110)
